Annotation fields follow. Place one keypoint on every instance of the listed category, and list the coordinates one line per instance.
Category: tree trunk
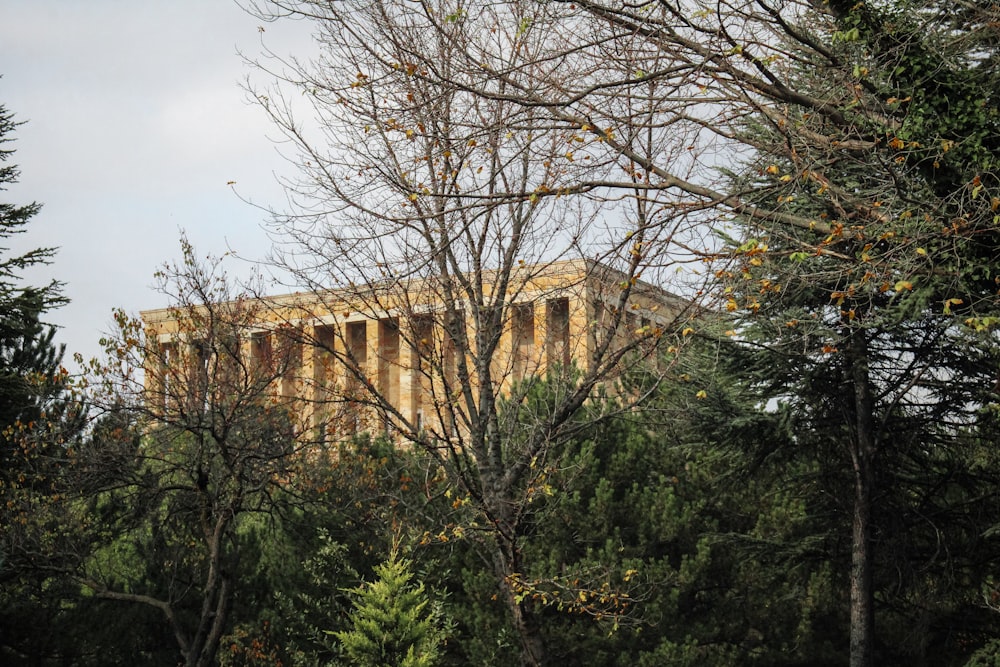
(523, 618)
(862, 455)
(220, 617)
(862, 600)
(216, 593)
(508, 567)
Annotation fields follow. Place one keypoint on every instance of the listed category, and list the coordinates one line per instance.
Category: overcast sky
(136, 122)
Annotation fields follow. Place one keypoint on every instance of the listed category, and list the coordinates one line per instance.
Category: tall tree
(35, 418)
(30, 374)
(440, 213)
(882, 317)
(199, 444)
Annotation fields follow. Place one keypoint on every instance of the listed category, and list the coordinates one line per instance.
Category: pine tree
(874, 325)
(394, 623)
(35, 423)
(29, 359)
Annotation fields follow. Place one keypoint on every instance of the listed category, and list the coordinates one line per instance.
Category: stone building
(404, 355)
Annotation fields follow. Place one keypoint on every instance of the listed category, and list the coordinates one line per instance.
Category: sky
(135, 125)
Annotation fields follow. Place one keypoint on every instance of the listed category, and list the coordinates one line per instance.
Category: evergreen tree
(874, 325)
(707, 556)
(29, 360)
(35, 421)
(394, 623)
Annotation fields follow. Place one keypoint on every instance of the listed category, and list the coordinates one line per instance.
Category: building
(409, 356)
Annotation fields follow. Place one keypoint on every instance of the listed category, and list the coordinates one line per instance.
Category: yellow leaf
(701, 394)
(903, 285)
(921, 252)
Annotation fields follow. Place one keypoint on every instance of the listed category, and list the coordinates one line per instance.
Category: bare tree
(195, 437)
(459, 244)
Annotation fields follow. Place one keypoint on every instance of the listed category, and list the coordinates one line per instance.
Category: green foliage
(987, 656)
(308, 608)
(693, 560)
(868, 327)
(394, 622)
(38, 419)
(29, 360)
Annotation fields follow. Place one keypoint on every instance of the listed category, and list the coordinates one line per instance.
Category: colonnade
(351, 369)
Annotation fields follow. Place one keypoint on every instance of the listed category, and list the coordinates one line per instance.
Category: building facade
(408, 356)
